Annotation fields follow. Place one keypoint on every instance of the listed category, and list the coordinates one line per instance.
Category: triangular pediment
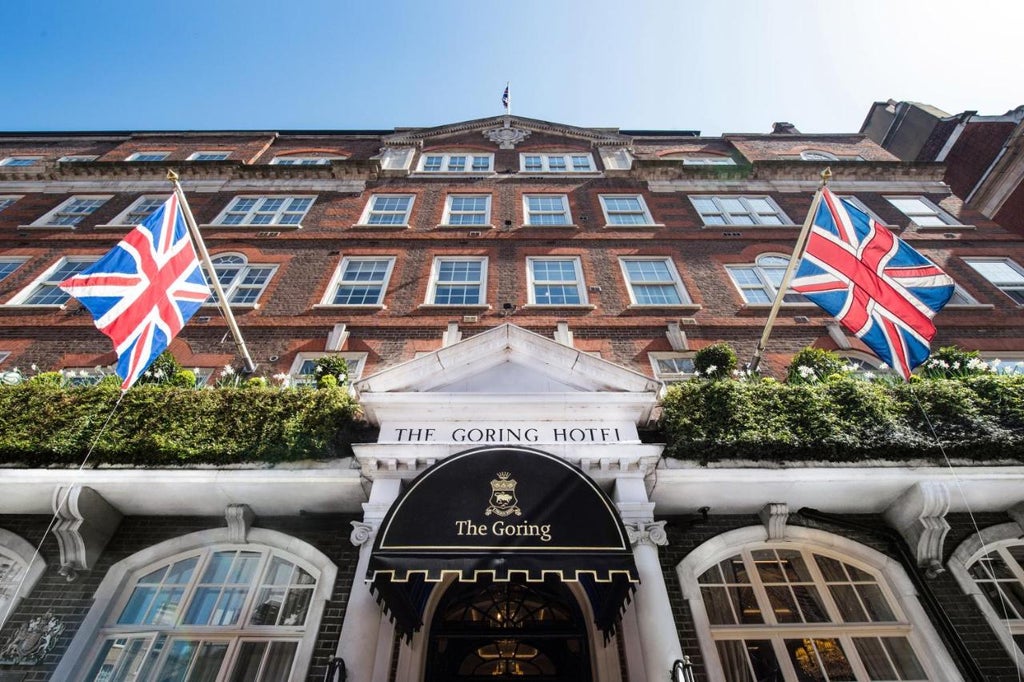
(436, 134)
(507, 366)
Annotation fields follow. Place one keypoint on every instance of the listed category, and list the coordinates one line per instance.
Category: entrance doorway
(508, 630)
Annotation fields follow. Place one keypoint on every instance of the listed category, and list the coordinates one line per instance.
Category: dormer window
(557, 163)
(456, 162)
(305, 160)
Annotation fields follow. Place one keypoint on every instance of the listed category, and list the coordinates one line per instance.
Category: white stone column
(360, 633)
(659, 640)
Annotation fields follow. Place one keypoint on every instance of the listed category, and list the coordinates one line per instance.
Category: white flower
(956, 364)
(342, 378)
(736, 373)
(228, 371)
(147, 373)
(805, 371)
(158, 373)
(34, 368)
(318, 369)
(696, 372)
(869, 375)
(712, 369)
(850, 368)
(996, 363)
(882, 366)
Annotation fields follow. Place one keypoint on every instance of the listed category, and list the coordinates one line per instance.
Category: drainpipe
(928, 598)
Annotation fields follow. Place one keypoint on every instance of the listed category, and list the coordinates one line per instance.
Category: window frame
(608, 213)
(8, 200)
(304, 160)
(445, 164)
(481, 284)
(369, 211)
(933, 209)
(901, 596)
(766, 284)
(749, 211)
(581, 288)
(45, 279)
(708, 161)
(338, 281)
(121, 220)
(654, 357)
(32, 566)
(238, 281)
(1002, 286)
(142, 157)
(19, 161)
(261, 199)
(567, 160)
(220, 154)
(356, 364)
(16, 261)
(446, 217)
(61, 209)
(527, 213)
(115, 589)
(674, 279)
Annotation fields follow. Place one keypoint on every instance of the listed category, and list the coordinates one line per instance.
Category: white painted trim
(44, 221)
(581, 286)
(431, 293)
(337, 281)
(675, 280)
(364, 219)
(30, 289)
(119, 577)
(260, 198)
(32, 568)
(447, 216)
(564, 198)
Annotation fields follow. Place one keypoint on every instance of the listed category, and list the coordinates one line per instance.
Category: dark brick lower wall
(72, 601)
(687, 533)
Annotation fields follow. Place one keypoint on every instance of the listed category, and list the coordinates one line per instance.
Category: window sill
(35, 226)
(631, 226)
(110, 227)
(34, 306)
(446, 226)
(940, 228)
(454, 306)
(248, 227)
(675, 307)
(364, 226)
(342, 306)
(969, 306)
(757, 226)
(234, 306)
(558, 306)
(796, 306)
(560, 174)
(451, 174)
(567, 226)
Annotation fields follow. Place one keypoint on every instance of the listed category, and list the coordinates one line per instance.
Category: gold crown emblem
(503, 482)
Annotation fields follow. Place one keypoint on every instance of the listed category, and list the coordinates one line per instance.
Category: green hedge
(978, 419)
(44, 425)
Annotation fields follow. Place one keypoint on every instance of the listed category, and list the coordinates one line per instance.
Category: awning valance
(501, 513)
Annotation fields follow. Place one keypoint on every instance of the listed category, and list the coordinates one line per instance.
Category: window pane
(247, 665)
(279, 662)
(123, 660)
(665, 294)
(819, 659)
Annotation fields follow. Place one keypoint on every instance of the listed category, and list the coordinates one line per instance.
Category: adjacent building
(512, 296)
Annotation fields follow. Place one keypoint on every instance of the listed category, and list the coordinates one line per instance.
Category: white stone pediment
(506, 373)
(595, 136)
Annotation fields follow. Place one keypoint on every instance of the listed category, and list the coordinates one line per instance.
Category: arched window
(804, 609)
(212, 611)
(242, 283)
(759, 281)
(990, 567)
(18, 572)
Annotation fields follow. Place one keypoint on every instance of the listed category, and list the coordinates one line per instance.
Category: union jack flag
(504, 98)
(144, 290)
(876, 286)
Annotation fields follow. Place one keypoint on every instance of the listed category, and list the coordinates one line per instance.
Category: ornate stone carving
(240, 519)
(647, 533)
(919, 514)
(362, 533)
(775, 516)
(85, 523)
(33, 640)
(506, 137)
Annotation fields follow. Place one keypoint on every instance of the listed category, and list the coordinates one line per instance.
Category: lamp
(682, 670)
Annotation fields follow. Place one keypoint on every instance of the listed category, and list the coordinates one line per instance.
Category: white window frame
(61, 209)
(122, 217)
(481, 284)
(930, 209)
(46, 279)
(1002, 286)
(708, 161)
(528, 214)
(337, 282)
(749, 211)
(661, 374)
(8, 200)
(78, 158)
(369, 211)
(445, 165)
(238, 283)
(356, 364)
(566, 159)
(278, 214)
(765, 282)
(674, 281)
(85, 376)
(300, 160)
(143, 157)
(863, 207)
(865, 362)
(581, 288)
(16, 261)
(822, 155)
(199, 156)
(971, 550)
(446, 219)
(19, 161)
(30, 567)
(1004, 362)
(608, 213)
(913, 622)
(115, 589)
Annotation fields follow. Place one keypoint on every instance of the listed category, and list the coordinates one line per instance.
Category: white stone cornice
(711, 185)
(919, 514)
(156, 186)
(647, 533)
(363, 533)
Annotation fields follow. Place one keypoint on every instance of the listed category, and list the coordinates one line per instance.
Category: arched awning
(501, 512)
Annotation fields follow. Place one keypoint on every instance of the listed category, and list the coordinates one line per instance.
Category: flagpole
(787, 277)
(222, 301)
(508, 89)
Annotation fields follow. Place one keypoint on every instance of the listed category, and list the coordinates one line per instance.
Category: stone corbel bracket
(647, 533)
(240, 519)
(84, 525)
(775, 516)
(919, 514)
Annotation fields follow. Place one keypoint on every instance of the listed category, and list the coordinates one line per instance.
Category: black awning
(501, 513)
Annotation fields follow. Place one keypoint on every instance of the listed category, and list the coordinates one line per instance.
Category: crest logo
(503, 500)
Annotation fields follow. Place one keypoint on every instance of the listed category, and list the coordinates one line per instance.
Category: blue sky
(716, 66)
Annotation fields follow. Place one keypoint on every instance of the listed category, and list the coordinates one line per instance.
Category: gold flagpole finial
(172, 176)
(826, 175)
